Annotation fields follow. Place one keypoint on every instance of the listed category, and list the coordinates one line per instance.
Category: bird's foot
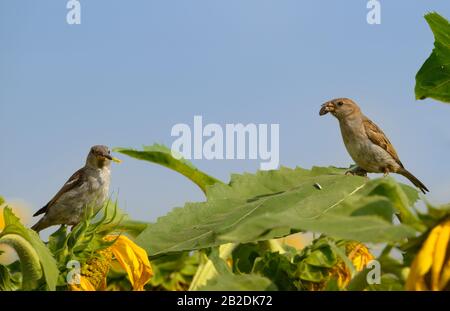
(385, 172)
(356, 171)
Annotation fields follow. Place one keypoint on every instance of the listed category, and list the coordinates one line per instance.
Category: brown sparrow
(89, 185)
(365, 142)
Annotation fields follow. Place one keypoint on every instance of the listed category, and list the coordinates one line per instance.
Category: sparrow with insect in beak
(87, 186)
(365, 142)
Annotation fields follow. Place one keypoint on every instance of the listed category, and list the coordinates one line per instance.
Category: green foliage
(277, 268)
(312, 265)
(433, 78)
(388, 282)
(233, 228)
(9, 281)
(243, 282)
(33, 250)
(162, 155)
(29, 259)
(244, 256)
(316, 267)
(270, 204)
(173, 272)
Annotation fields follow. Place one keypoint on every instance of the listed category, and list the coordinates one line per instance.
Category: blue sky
(133, 69)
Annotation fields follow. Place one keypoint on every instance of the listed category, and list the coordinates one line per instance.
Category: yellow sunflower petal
(411, 281)
(84, 285)
(439, 255)
(423, 261)
(359, 254)
(133, 259)
(425, 256)
(445, 276)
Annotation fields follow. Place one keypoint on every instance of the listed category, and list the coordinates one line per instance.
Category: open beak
(109, 157)
(327, 107)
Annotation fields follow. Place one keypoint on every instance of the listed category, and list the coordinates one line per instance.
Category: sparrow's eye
(340, 104)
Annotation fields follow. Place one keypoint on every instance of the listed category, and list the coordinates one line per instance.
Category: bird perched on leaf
(89, 186)
(365, 142)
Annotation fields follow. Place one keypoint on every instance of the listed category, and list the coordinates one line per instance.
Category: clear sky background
(133, 69)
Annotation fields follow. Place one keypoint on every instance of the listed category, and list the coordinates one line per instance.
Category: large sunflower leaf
(272, 204)
(433, 78)
(364, 215)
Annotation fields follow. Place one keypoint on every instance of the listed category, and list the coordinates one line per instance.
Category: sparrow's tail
(414, 180)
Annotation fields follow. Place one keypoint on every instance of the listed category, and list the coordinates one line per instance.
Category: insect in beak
(327, 107)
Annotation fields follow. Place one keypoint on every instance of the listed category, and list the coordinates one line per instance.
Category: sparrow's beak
(327, 107)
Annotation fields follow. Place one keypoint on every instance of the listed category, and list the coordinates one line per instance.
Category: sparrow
(365, 142)
(89, 186)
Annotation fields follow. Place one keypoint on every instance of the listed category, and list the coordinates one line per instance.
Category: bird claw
(356, 171)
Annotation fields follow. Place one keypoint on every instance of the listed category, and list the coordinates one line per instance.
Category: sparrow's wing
(74, 181)
(377, 136)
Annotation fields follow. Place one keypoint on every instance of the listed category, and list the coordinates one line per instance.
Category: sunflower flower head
(132, 258)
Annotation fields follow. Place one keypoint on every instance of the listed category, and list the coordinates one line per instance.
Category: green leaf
(29, 260)
(174, 272)
(213, 263)
(433, 78)
(162, 155)
(311, 273)
(322, 257)
(315, 262)
(9, 281)
(402, 198)
(243, 282)
(244, 256)
(362, 214)
(214, 255)
(57, 241)
(13, 226)
(272, 204)
(278, 269)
